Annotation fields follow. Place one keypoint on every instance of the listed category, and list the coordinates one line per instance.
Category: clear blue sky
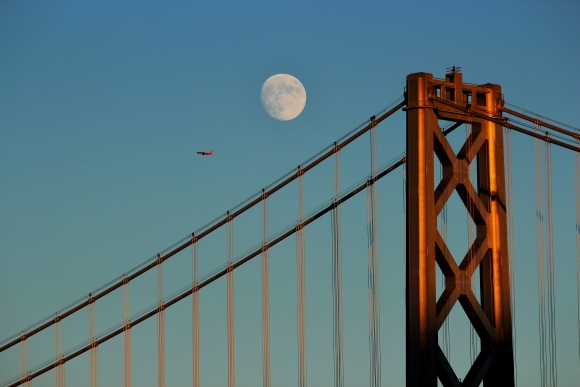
(104, 104)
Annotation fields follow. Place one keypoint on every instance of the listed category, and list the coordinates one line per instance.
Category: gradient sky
(104, 104)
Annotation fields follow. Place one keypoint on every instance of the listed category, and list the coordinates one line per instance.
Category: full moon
(283, 97)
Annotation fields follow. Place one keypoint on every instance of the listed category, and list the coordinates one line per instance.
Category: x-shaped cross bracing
(458, 278)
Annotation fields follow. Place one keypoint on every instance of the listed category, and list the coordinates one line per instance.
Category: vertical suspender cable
(446, 348)
(404, 176)
(577, 231)
(337, 274)
(24, 359)
(59, 372)
(265, 294)
(93, 371)
(126, 335)
(510, 214)
(374, 273)
(472, 334)
(300, 284)
(195, 315)
(540, 252)
(469, 240)
(160, 325)
(550, 264)
(230, 297)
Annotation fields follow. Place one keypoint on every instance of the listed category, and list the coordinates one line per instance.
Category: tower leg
(421, 223)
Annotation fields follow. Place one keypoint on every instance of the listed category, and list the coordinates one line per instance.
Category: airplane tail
(211, 153)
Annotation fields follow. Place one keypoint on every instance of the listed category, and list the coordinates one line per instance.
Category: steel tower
(428, 101)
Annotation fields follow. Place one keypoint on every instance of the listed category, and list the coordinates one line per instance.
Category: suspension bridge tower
(428, 101)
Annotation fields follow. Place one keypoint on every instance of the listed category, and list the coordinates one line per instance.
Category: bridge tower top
(486, 97)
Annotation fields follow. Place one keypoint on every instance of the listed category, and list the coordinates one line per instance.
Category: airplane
(205, 153)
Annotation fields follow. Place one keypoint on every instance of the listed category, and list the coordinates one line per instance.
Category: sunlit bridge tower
(430, 100)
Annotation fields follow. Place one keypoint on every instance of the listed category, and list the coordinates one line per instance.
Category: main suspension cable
(541, 117)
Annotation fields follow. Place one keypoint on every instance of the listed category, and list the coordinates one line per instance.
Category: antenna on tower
(453, 70)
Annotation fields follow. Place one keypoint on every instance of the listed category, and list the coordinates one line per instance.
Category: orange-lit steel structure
(428, 101)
